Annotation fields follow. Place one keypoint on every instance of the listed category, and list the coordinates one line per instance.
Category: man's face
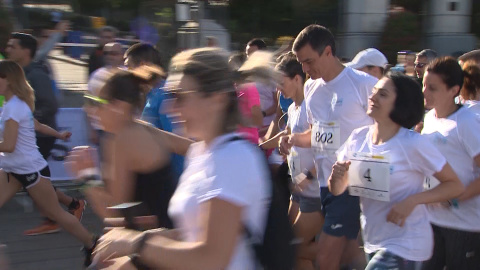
(15, 52)
(420, 64)
(113, 55)
(106, 37)
(312, 63)
(250, 49)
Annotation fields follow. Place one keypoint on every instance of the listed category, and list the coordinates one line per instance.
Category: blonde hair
(17, 83)
(210, 68)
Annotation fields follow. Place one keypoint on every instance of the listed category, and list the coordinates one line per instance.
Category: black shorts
(342, 214)
(454, 249)
(30, 179)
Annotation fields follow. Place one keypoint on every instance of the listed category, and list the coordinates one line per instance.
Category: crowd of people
(213, 150)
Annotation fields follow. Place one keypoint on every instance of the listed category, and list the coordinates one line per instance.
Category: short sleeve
(342, 152)
(253, 98)
(425, 157)
(14, 112)
(230, 181)
(469, 136)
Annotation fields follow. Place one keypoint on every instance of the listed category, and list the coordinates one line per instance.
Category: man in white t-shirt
(336, 99)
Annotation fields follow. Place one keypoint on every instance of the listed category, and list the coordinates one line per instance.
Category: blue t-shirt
(284, 104)
(153, 113)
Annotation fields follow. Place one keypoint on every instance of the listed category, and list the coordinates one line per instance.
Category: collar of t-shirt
(220, 141)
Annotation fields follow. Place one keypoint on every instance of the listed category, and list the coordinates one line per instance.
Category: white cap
(368, 57)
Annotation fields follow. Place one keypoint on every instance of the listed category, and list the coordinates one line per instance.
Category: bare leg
(8, 187)
(328, 256)
(44, 196)
(306, 226)
(63, 198)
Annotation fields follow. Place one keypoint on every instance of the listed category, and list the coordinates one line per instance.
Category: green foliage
(402, 32)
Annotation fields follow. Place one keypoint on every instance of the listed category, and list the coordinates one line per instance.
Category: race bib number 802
(325, 136)
(369, 176)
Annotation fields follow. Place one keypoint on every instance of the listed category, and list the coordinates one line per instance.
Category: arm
(176, 144)
(473, 189)
(257, 117)
(9, 136)
(338, 180)
(50, 43)
(46, 130)
(273, 142)
(297, 139)
(449, 188)
(274, 128)
(220, 223)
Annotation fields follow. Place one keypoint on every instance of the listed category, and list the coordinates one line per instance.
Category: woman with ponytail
(225, 184)
(21, 164)
(470, 92)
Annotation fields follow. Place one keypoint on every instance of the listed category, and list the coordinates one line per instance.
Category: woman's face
(109, 113)
(436, 92)
(288, 87)
(382, 101)
(196, 109)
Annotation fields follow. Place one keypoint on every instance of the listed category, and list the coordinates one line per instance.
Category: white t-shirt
(473, 105)
(344, 100)
(25, 158)
(266, 93)
(297, 122)
(412, 157)
(457, 138)
(233, 171)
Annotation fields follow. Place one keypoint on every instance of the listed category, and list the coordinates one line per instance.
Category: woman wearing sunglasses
(21, 163)
(137, 164)
(224, 186)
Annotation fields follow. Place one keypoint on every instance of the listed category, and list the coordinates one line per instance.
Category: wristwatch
(308, 174)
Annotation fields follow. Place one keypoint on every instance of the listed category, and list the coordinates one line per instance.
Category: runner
(453, 129)
(305, 206)
(138, 161)
(224, 186)
(385, 164)
(21, 163)
(336, 100)
(470, 92)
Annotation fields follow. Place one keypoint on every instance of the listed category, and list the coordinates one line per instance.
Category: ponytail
(471, 81)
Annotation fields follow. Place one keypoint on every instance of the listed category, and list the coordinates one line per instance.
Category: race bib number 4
(325, 136)
(369, 176)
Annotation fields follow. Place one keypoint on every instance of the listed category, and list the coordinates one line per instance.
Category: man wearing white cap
(370, 61)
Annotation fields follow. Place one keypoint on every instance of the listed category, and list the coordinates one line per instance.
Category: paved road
(58, 251)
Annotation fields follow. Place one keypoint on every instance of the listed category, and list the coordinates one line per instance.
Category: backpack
(276, 251)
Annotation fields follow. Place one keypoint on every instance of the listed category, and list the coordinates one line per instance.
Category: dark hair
(261, 45)
(125, 86)
(144, 52)
(429, 54)
(288, 64)
(26, 41)
(37, 30)
(471, 82)
(471, 55)
(409, 105)
(448, 69)
(382, 70)
(317, 36)
(236, 60)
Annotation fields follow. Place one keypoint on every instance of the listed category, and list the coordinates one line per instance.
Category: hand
(400, 212)
(301, 182)
(285, 143)
(116, 243)
(93, 136)
(339, 169)
(80, 158)
(65, 136)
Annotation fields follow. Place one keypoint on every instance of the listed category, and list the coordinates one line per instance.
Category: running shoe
(78, 212)
(47, 226)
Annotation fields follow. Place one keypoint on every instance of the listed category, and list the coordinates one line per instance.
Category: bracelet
(89, 174)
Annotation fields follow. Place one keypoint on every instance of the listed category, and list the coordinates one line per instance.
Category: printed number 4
(367, 176)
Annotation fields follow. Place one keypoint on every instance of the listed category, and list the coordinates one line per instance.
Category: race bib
(325, 136)
(294, 163)
(430, 182)
(369, 176)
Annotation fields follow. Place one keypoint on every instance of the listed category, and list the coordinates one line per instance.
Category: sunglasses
(94, 101)
(419, 65)
(179, 95)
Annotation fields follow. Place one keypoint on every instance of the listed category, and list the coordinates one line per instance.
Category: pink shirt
(247, 98)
